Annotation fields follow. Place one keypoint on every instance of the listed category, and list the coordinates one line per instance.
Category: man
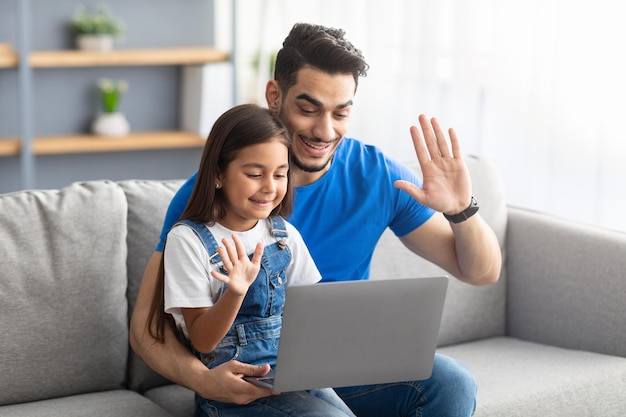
(347, 194)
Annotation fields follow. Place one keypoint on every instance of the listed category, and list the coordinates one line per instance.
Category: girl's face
(254, 183)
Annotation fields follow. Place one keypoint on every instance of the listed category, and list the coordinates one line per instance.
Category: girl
(226, 303)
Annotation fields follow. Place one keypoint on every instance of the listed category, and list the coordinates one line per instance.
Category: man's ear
(272, 95)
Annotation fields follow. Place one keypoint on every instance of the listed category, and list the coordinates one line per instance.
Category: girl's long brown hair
(238, 128)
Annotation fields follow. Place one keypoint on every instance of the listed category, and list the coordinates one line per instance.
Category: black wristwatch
(465, 214)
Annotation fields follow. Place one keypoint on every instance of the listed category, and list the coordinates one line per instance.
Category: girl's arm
(208, 325)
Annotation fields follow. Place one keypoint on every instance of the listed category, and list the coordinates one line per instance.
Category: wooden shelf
(54, 145)
(8, 57)
(120, 57)
(9, 147)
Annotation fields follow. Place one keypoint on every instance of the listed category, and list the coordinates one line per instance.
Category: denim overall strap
(207, 239)
(279, 230)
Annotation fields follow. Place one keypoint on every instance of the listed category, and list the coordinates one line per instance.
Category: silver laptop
(357, 333)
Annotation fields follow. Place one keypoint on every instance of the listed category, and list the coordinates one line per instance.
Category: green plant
(111, 92)
(99, 23)
(256, 62)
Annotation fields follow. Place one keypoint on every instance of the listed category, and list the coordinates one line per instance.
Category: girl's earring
(218, 185)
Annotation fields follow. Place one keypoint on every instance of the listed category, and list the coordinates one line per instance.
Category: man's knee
(454, 381)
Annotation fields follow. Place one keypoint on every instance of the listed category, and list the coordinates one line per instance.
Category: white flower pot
(96, 43)
(112, 125)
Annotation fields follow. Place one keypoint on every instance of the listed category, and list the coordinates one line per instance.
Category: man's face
(316, 110)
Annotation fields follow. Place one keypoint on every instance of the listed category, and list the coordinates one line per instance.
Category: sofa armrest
(566, 283)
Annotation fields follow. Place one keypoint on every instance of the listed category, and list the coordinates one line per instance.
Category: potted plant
(95, 31)
(263, 65)
(110, 121)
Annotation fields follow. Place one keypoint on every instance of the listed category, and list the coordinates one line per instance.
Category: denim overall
(254, 336)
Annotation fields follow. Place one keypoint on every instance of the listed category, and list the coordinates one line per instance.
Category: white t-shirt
(188, 283)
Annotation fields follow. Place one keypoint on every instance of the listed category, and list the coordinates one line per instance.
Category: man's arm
(175, 361)
(468, 250)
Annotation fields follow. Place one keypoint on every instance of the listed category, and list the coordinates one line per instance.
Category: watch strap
(465, 214)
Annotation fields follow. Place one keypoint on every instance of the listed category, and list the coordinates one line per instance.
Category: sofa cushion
(470, 312)
(147, 203)
(179, 401)
(118, 403)
(519, 378)
(62, 291)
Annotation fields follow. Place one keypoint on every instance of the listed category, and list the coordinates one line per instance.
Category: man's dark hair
(320, 47)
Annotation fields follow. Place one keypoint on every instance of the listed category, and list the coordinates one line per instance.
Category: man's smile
(317, 148)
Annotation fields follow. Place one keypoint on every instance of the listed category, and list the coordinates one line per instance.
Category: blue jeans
(313, 403)
(450, 391)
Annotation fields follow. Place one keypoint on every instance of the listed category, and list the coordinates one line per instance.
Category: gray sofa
(549, 339)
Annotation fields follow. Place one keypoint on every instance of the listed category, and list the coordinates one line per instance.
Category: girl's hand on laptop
(241, 270)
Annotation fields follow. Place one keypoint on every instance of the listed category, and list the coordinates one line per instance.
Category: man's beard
(309, 168)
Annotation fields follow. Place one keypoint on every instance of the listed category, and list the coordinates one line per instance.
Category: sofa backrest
(63, 298)
(147, 203)
(470, 312)
(567, 283)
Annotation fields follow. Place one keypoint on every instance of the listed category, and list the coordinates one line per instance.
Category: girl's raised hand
(242, 270)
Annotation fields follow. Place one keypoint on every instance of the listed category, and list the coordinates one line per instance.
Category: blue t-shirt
(343, 214)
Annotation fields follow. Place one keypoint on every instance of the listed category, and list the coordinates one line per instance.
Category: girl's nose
(269, 185)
